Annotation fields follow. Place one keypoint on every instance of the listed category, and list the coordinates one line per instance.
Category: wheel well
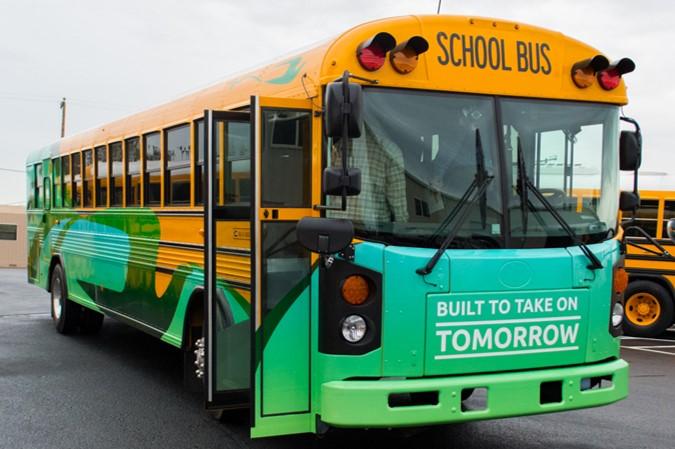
(194, 317)
(56, 260)
(656, 279)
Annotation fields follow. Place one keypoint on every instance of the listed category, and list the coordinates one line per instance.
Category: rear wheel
(648, 309)
(65, 312)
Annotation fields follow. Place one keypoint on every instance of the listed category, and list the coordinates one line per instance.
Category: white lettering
(441, 308)
(455, 340)
(550, 335)
(482, 341)
(505, 342)
(443, 335)
(569, 333)
(519, 334)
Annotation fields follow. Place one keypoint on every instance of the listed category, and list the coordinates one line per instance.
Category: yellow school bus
(363, 234)
(650, 296)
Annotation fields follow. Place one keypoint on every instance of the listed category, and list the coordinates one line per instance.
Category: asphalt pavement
(123, 389)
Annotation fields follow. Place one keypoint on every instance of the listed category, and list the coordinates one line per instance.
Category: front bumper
(365, 403)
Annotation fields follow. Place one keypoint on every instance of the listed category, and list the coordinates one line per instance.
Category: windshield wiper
(524, 184)
(479, 185)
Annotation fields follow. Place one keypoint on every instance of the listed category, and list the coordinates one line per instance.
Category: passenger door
(227, 215)
(280, 297)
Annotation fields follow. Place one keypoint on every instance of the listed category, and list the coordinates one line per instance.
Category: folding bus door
(282, 192)
(227, 215)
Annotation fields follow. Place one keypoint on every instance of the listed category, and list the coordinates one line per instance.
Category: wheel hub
(56, 299)
(643, 309)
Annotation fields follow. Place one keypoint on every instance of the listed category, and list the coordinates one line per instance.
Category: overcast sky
(114, 58)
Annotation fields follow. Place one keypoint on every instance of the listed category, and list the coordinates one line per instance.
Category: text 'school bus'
(650, 263)
(364, 234)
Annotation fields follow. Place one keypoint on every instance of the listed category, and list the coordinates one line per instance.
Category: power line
(13, 170)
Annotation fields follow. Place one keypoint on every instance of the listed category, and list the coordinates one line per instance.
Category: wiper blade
(595, 262)
(521, 186)
(479, 185)
(481, 176)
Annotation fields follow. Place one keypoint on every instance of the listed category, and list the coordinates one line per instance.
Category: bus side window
(177, 175)
(646, 216)
(56, 189)
(77, 179)
(116, 177)
(66, 186)
(39, 203)
(153, 163)
(30, 187)
(133, 160)
(101, 177)
(88, 185)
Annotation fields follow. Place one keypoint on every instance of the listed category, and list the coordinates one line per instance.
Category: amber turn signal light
(620, 281)
(404, 57)
(583, 72)
(355, 289)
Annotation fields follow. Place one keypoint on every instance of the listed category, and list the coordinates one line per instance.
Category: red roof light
(372, 52)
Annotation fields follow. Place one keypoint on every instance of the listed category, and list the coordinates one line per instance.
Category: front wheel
(65, 313)
(648, 309)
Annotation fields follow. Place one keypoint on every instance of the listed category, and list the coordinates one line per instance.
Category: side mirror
(334, 183)
(324, 235)
(670, 229)
(630, 151)
(629, 201)
(343, 98)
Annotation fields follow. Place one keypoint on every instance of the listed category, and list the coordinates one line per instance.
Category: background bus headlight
(354, 328)
(617, 314)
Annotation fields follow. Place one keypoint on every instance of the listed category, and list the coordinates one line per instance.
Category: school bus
(363, 234)
(650, 295)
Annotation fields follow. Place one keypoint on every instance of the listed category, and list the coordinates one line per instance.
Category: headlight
(617, 314)
(354, 328)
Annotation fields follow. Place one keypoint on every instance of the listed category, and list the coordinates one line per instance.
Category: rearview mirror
(629, 201)
(334, 182)
(343, 99)
(630, 151)
(324, 235)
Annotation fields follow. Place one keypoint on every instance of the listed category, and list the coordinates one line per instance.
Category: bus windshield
(420, 152)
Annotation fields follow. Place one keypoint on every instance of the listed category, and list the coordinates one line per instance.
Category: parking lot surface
(123, 389)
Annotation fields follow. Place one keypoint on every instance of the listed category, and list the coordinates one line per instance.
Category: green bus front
(513, 319)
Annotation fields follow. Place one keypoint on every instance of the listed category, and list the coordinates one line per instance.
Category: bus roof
(466, 54)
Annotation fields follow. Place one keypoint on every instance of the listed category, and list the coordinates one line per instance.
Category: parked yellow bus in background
(650, 296)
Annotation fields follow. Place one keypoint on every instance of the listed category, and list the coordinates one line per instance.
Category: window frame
(166, 171)
(98, 178)
(16, 232)
(145, 179)
(64, 183)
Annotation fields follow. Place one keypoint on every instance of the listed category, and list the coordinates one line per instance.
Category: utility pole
(62, 105)
(438, 10)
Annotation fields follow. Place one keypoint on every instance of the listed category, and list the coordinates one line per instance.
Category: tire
(65, 313)
(648, 309)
